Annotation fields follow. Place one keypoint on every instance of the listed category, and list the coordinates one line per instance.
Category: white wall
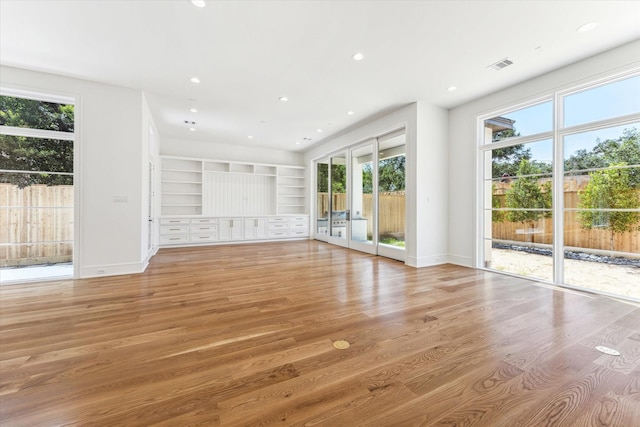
(463, 141)
(221, 151)
(426, 185)
(110, 147)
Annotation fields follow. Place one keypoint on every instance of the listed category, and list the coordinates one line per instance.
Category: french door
(360, 199)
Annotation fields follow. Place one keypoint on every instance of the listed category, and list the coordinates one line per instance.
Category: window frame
(557, 134)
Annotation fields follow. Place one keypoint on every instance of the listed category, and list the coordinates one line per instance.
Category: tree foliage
(526, 193)
(625, 149)
(391, 176)
(610, 189)
(40, 155)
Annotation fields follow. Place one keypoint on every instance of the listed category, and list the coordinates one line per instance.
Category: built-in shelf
(216, 188)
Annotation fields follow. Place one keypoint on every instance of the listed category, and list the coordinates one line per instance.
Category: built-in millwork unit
(213, 201)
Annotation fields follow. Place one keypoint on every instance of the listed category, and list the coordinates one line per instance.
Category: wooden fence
(40, 219)
(574, 234)
(391, 206)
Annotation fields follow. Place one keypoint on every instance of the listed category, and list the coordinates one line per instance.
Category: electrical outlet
(102, 271)
(120, 199)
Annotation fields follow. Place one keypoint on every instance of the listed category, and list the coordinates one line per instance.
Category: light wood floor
(242, 335)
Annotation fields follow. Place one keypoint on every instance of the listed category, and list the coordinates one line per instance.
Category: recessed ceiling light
(199, 3)
(192, 129)
(319, 130)
(193, 110)
(358, 56)
(587, 27)
(297, 142)
(250, 136)
(350, 113)
(195, 80)
(451, 88)
(283, 99)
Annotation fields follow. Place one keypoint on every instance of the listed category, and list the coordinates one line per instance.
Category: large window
(36, 186)
(562, 204)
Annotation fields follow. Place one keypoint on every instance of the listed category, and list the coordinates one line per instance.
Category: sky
(612, 100)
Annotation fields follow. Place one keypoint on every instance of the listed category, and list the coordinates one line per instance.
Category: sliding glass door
(391, 196)
(360, 197)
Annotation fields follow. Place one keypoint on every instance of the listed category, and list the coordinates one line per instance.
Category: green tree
(497, 202)
(625, 148)
(40, 155)
(526, 193)
(610, 189)
(505, 161)
(391, 174)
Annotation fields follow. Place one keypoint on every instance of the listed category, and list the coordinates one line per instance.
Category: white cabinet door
(255, 228)
(230, 229)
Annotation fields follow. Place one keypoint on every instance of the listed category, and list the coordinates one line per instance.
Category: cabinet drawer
(278, 219)
(304, 219)
(204, 221)
(278, 233)
(278, 226)
(204, 237)
(172, 221)
(299, 226)
(174, 229)
(299, 233)
(204, 228)
(168, 240)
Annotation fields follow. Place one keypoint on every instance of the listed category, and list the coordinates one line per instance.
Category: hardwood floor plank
(243, 334)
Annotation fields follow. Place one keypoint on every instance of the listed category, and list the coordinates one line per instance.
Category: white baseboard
(464, 261)
(112, 270)
(427, 261)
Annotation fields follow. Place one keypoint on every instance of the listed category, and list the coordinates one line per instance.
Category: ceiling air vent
(501, 64)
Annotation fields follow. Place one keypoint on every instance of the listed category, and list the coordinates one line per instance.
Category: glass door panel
(339, 214)
(322, 198)
(391, 197)
(363, 203)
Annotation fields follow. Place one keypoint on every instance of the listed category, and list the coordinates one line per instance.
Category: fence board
(36, 224)
(575, 234)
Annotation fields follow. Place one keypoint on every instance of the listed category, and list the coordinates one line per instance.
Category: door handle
(348, 214)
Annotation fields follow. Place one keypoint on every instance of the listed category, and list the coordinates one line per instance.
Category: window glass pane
(22, 180)
(602, 210)
(391, 192)
(362, 194)
(33, 114)
(601, 148)
(603, 102)
(338, 216)
(524, 122)
(35, 154)
(518, 224)
(506, 162)
(322, 192)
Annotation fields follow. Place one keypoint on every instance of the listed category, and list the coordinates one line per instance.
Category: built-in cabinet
(208, 201)
(185, 231)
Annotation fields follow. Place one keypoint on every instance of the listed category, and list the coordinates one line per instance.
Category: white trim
(464, 261)
(38, 95)
(37, 133)
(112, 270)
(427, 261)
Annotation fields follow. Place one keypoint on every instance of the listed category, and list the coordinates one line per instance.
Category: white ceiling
(249, 53)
